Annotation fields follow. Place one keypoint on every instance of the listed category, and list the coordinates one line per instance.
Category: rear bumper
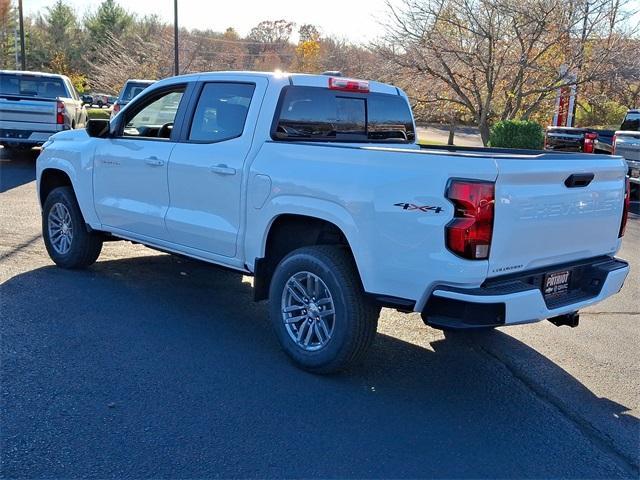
(28, 137)
(518, 299)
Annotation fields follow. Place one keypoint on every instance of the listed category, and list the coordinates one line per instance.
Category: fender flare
(321, 209)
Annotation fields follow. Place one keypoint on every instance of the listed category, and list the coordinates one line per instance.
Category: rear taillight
(59, 112)
(613, 144)
(348, 85)
(589, 142)
(469, 233)
(625, 208)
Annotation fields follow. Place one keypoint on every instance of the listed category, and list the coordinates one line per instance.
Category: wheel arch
(52, 178)
(289, 231)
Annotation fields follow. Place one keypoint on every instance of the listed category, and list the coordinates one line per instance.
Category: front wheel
(319, 310)
(66, 238)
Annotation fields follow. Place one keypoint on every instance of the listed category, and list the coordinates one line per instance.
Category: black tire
(355, 319)
(100, 104)
(85, 246)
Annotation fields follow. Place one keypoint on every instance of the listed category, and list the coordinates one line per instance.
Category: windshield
(631, 122)
(131, 89)
(32, 85)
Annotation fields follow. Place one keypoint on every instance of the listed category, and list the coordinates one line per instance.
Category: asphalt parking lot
(148, 365)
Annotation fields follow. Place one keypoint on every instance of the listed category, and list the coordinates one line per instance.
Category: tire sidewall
(343, 331)
(62, 195)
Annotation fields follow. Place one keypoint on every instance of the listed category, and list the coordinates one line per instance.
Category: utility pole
(23, 59)
(176, 64)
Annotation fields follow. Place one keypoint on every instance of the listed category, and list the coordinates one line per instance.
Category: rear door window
(221, 112)
(320, 114)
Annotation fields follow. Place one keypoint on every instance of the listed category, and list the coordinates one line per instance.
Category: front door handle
(223, 169)
(154, 161)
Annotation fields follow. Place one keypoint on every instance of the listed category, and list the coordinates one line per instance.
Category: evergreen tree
(55, 41)
(110, 20)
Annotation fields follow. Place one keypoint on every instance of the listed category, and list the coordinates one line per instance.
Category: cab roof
(298, 79)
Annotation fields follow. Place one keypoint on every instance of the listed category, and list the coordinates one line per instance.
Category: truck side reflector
(348, 85)
(469, 233)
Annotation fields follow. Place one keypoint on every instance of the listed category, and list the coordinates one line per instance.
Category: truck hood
(78, 134)
(66, 136)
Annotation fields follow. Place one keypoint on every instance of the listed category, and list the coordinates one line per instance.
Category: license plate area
(556, 284)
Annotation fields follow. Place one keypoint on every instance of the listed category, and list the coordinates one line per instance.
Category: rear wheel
(319, 310)
(66, 238)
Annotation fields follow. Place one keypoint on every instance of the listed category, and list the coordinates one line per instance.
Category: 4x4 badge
(422, 208)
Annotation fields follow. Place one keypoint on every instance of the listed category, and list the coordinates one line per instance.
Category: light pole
(23, 60)
(176, 64)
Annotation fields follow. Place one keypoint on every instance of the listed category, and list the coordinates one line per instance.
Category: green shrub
(516, 134)
(98, 113)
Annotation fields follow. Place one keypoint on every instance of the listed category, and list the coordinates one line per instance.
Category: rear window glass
(31, 85)
(131, 89)
(631, 122)
(314, 113)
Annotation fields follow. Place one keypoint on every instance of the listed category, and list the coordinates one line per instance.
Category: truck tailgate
(15, 109)
(540, 221)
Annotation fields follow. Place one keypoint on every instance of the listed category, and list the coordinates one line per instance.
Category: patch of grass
(98, 113)
(426, 141)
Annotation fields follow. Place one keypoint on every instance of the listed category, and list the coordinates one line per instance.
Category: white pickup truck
(35, 105)
(316, 186)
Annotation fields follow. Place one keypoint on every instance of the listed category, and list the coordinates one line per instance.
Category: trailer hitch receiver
(570, 319)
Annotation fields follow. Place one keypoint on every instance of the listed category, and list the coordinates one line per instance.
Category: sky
(357, 21)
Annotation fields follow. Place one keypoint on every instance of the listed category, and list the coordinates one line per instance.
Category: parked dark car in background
(129, 91)
(575, 139)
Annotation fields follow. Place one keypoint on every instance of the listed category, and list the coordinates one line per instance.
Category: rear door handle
(154, 161)
(578, 180)
(223, 169)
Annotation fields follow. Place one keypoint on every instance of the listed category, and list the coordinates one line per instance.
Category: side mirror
(98, 128)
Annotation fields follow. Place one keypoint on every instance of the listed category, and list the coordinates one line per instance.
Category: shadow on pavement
(162, 367)
(17, 167)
